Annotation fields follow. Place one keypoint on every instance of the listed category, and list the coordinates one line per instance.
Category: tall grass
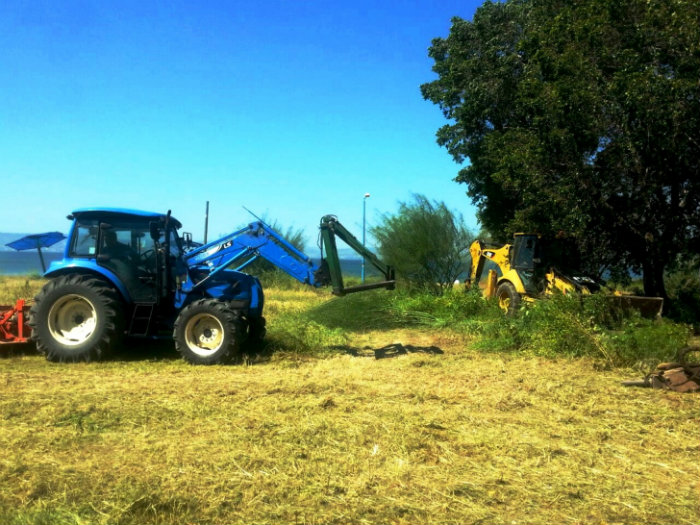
(13, 287)
(559, 326)
(566, 326)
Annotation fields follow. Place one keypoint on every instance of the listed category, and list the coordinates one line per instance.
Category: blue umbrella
(37, 241)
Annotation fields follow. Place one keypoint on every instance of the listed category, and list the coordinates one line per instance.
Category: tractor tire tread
(232, 322)
(514, 297)
(110, 302)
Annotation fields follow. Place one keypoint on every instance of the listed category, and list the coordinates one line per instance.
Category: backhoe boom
(330, 229)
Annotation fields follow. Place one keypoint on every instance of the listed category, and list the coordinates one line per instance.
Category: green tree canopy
(579, 118)
(425, 242)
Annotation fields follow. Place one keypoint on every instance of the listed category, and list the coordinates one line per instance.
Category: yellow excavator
(525, 271)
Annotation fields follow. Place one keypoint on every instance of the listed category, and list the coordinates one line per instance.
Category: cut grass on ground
(419, 437)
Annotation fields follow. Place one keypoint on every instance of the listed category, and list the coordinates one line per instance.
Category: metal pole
(206, 223)
(41, 258)
(364, 214)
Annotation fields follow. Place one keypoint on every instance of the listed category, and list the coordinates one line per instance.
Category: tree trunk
(653, 276)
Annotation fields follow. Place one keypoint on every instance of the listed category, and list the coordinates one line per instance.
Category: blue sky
(292, 109)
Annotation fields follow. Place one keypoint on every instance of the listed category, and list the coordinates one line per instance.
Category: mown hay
(432, 438)
(418, 437)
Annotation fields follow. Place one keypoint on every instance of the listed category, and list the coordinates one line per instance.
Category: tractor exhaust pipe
(206, 222)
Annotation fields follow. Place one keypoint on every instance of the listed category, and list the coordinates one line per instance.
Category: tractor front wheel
(208, 332)
(256, 329)
(76, 318)
(508, 298)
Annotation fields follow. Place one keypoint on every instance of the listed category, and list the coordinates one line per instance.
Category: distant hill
(9, 237)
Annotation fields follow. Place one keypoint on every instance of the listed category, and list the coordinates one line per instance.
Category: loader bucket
(649, 307)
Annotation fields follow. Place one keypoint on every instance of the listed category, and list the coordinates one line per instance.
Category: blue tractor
(129, 273)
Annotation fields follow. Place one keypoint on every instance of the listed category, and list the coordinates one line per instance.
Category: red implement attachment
(13, 323)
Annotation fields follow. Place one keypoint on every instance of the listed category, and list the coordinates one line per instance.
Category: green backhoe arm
(330, 229)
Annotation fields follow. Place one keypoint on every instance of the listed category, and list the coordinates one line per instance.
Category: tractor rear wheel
(76, 318)
(508, 298)
(208, 332)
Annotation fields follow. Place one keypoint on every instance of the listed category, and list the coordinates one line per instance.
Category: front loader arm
(240, 248)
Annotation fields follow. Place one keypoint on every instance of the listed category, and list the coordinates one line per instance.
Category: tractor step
(141, 319)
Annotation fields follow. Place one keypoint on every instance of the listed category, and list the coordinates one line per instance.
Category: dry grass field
(431, 431)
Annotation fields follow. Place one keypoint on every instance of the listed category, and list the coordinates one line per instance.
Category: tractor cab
(139, 252)
(525, 254)
(526, 259)
(539, 262)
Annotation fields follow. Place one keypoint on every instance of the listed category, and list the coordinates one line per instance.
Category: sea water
(23, 263)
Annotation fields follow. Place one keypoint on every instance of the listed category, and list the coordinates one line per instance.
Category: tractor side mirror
(155, 231)
(187, 239)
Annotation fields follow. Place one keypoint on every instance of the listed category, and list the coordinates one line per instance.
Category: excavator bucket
(648, 307)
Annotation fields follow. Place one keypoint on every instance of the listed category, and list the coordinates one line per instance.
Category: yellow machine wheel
(508, 298)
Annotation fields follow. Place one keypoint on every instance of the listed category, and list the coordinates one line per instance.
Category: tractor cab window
(121, 240)
(84, 242)
(175, 244)
(128, 242)
(117, 244)
(175, 247)
(526, 252)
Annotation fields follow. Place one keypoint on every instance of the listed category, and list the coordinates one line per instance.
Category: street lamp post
(364, 215)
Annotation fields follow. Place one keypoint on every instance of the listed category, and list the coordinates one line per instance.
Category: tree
(425, 242)
(579, 118)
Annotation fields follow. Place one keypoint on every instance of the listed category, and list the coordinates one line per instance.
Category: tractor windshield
(526, 252)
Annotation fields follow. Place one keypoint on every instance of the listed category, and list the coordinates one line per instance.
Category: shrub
(645, 343)
(454, 307)
(683, 287)
(425, 242)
